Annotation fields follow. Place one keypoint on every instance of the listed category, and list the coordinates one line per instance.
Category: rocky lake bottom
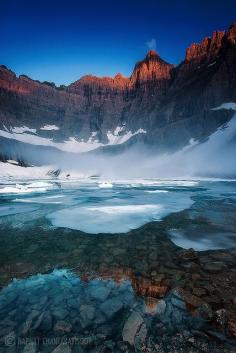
(165, 282)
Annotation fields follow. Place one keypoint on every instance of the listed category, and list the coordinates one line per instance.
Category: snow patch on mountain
(227, 106)
(22, 129)
(72, 144)
(116, 138)
(49, 127)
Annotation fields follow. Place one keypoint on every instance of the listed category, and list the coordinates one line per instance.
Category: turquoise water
(41, 223)
(119, 206)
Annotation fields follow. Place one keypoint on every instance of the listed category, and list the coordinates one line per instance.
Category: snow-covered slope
(32, 136)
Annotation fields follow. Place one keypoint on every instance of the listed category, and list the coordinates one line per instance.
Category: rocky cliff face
(171, 104)
(152, 73)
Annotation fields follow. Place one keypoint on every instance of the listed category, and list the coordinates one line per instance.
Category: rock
(232, 327)
(199, 292)
(111, 306)
(177, 300)
(62, 326)
(214, 267)
(158, 278)
(62, 348)
(44, 322)
(99, 292)
(123, 347)
(151, 305)
(221, 317)
(6, 325)
(73, 303)
(189, 254)
(87, 313)
(161, 307)
(131, 327)
(73, 313)
(99, 318)
(38, 322)
(110, 344)
(204, 310)
(140, 338)
(177, 317)
(196, 276)
(60, 313)
(28, 324)
(10, 297)
(191, 301)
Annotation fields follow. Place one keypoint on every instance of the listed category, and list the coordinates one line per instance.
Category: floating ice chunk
(156, 191)
(105, 184)
(106, 219)
(39, 184)
(168, 182)
(125, 209)
(23, 189)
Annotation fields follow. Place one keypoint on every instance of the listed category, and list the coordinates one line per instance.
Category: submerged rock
(111, 306)
(60, 313)
(87, 314)
(63, 326)
(99, 292)
(161, 307)
(132, 327)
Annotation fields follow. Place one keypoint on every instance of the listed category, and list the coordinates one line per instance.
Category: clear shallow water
(117, 284)
(116, 207)
(44, 310)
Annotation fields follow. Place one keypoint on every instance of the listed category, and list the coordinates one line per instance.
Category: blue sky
(61, 41)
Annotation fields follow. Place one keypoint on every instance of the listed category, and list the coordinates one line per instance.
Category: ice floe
(105, 184)
(156, 191)
(118, 216)
(28, 188)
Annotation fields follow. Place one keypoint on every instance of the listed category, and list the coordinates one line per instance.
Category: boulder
(161, 307)
(60, 313)
(87, 314)
(99, 292)
(63, 326)
(132, 327)
(111, 306)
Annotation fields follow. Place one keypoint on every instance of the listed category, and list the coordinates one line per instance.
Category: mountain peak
(207, 48)
(152, 54)
(231, 34)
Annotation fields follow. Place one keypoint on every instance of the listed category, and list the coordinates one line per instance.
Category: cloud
(151, 44)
